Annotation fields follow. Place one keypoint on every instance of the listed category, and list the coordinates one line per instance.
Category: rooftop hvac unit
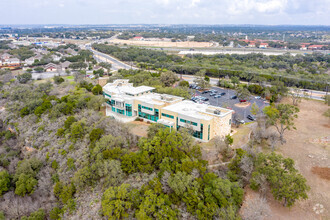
(217, 112)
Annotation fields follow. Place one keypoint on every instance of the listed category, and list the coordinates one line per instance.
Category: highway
(117, 64)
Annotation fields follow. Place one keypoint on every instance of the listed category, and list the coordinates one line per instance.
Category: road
(47, 75)
(116, 64)
(312, 94)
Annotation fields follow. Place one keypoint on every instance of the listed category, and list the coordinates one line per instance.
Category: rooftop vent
(217, 112)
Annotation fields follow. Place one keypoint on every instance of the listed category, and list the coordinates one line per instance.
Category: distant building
(10, 63)
(263, 45)
(138, 38)
(303, 47)
(190, 38)
(316, 47)
(125, 103)
(65, 65)
(29, 61)
(51, 67)
(55, 58)
(5, 56)
(252, 44)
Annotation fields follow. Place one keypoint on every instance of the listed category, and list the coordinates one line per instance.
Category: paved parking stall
(225, 101)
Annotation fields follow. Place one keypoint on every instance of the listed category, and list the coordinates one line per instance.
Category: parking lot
(225, 101)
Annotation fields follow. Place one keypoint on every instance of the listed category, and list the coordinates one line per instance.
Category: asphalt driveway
(226, 102)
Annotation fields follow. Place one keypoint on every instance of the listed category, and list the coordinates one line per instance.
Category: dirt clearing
(309, 148)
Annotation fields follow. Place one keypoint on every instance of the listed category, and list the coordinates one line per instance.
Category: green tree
(55, 213)
(96, 134)
(37, 215)
(235, 80)
(285, 181)
(4, 182)
(107, 66)
(168, 78)
(155, 206)
(281, 117)
(70, 164)
(39, 69)
(97, 90)
(242, 93)
(327, 99)
(78, 66)
(229, 140)
(69, 121)
(254, 109)
(200, 80)
(45, 87)
(25, 185)
(2, 216)
(153, 129)
(24, 78)
(180, 182)
(184, 83)
(58, 80)
(115, 202)
(77, 130)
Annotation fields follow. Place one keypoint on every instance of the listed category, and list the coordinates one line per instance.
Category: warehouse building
(126, 102)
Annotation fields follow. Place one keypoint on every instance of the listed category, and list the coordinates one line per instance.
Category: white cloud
(167, 11)
(254, 6)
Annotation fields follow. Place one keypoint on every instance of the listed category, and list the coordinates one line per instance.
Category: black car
(252, 118)
(223, 93)
(233, 97)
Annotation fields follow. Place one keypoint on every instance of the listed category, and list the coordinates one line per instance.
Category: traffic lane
(225, 101)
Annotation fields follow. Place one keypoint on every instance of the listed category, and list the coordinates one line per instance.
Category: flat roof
(158, 99)
(127, 89)
(196, 110)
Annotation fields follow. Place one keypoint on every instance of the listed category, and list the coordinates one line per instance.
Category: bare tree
(256, 209)
(166, 188)
(295, 96)
(246, 166)
(219, 144)
(273, 138)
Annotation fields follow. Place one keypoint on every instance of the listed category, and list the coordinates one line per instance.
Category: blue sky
(272, 12)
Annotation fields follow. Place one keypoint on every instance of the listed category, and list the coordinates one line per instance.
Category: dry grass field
(186, 44)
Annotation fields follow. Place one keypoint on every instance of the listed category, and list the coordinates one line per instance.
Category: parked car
(198, 88)
(239, 121)
(212, 94)
(217, 96)
(233, 97)
(223, 93)
(252, 118)
(205, 99)
(242, 100)
(257, 97)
